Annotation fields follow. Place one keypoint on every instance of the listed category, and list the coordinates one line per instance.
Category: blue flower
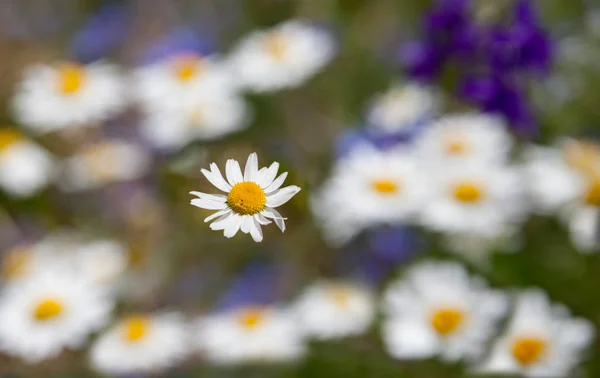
(179, 41)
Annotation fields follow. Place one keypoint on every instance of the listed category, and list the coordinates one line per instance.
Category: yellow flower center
(8, 137)
(528, 350)
(187, 68)
(15, 262)
(340, 296)
(246, 198)
(386, 186)
(47, 309)
(135, 327)
(592, 196)
(446, 321)
(456, 147)
(276, 45)
(71, 77)
(467, 192)
(251, 318)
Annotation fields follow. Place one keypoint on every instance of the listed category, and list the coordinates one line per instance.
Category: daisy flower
(455, 139)
(141, 344)
(173, 81)
(566, 179)
(542, 340)
(67, 95)
(25, 167)
(329, 310)
(370, 187)
(402, 108)
(251, 198)
(104, 163)
(48, 312)
(202, 115)
(438, 309)
(283, 56)
(250, 334)
(477, 199)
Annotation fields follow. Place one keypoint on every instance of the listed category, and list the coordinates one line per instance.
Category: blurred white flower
(478, 199)
(283, 56)
(251, 198)
(329, 310)
(103, 163)
(173, 81)
(67, 95)
(367, 188)
(48, 312)
(542, 340)
(566, 180)
(251, 334)
(25, 167)
(141, 343)
(201, 115)
(402, 108)
(438, 309)
(458, 138)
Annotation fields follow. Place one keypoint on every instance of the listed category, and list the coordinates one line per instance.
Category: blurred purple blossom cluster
(494, 60)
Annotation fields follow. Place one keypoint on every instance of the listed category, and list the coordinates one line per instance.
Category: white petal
(281, 196)
(208, 204)
(274, 214)
(277, 183)
(261, 219)
(269, 175)
(406, 339)
(256, 231)
(261, 173)
(212, 197)
(251, 169)
(215, 178)
(233, 226)
(234, 174)
(246, 223)
(215, 215)
(222, 222)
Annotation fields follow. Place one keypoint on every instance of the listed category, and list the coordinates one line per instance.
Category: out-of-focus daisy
(25, 167)
(542, 340)
(201, 115)
(566, 180)
(478, 199)
(251, 334)
(455, 139)
(283, 56)
(328, 310)
(170, 82)
(141, 343)
(438, 309)
(370, 187)
(103, 163)
(68, 95)
(251, 198)
(48, 312)
(402, 108)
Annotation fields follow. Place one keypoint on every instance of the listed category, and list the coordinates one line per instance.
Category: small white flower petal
(276, 184)
(256, 231)
(246, 223)
(216, 215)
(208, 204)
(212, 197)
(251, 169)
(269, 176)
(233, 171)
(222, 222)
(233, 226)
(261, 219)
(274, 214)
(214, 177)
(282, 196)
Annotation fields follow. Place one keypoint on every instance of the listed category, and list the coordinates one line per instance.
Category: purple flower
(178, 41)
(104, 31)
(501, 95)
(421, 60)
(381, 140)
(523, 44)
(449, 26)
